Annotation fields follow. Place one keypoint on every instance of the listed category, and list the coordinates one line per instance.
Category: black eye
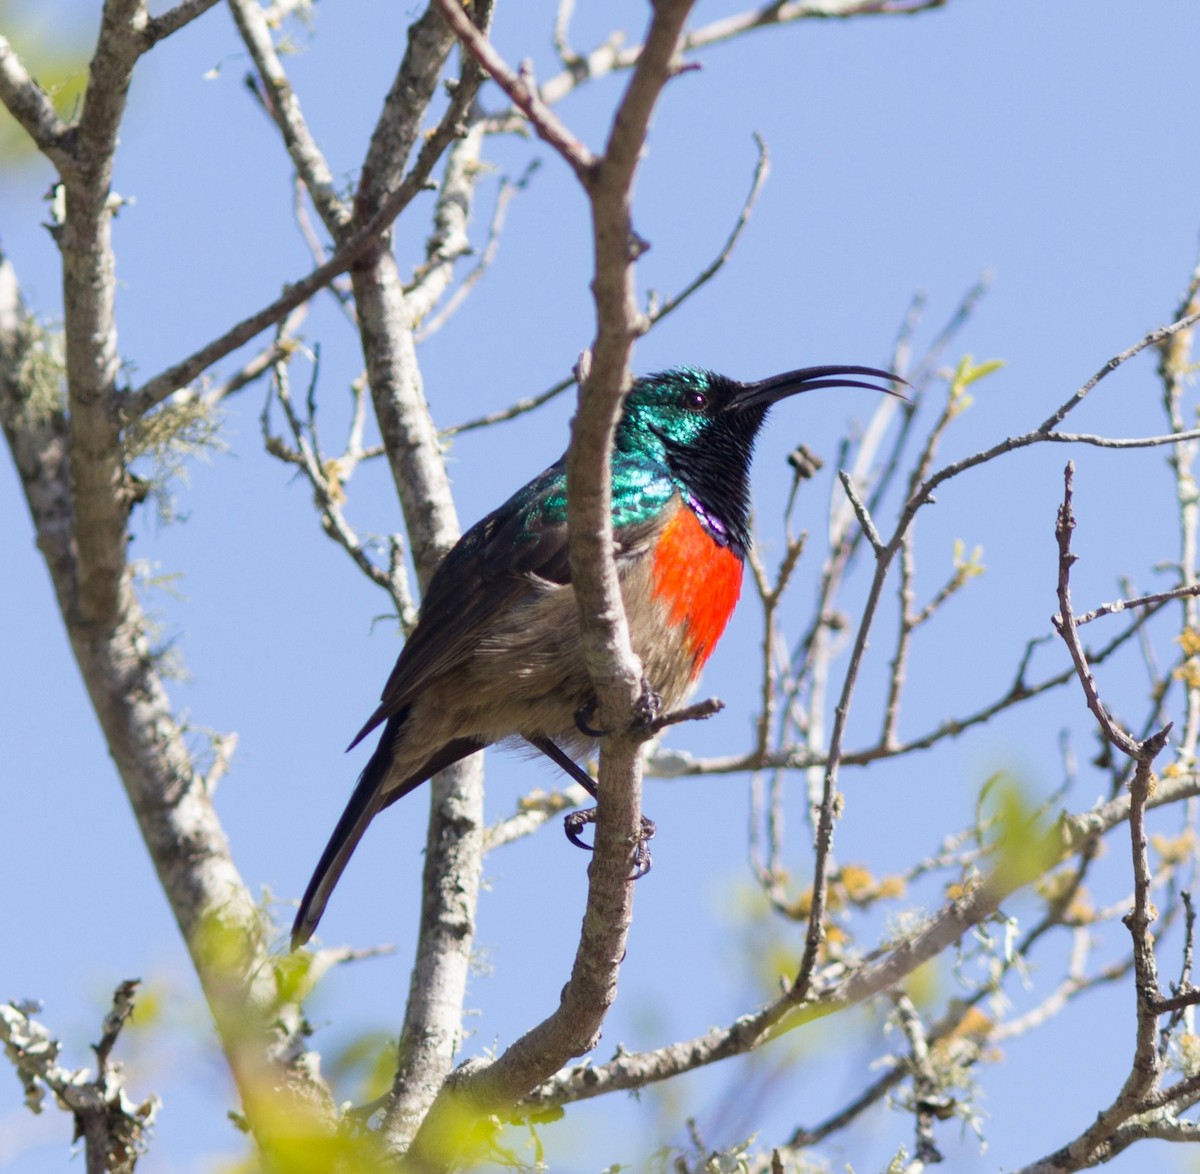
(695, 401)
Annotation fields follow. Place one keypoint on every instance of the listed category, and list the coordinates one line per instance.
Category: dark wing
(488, 570)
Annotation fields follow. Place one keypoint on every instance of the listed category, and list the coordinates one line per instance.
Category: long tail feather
(368, 799)
(364, 804)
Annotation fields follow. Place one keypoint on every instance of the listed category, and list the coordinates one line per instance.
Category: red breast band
(699, 580)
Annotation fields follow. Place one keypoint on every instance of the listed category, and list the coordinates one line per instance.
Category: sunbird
(496, 654)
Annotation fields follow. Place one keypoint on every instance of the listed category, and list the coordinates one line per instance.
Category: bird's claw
(573, 825)
(649, 705)
(576, 821)
(583, 715)
(641, 850)
(646, 712)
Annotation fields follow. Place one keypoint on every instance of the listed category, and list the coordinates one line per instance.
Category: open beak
(768, 391)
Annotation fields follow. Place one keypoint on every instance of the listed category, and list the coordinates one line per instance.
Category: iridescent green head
(702, 427)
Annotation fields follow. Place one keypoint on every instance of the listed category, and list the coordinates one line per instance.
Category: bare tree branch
(432, 1024)
(74, 437)
(30, 105)
(508, 190)
(364, 238)
(762, 168)
(283, 105)
(513, 411)
(611, 56)
(174, 19)
(572, 1029)
(114, 1129)
(168, 794)
(523, 92)
(675, 764)
(1064, 622)
(654, 314)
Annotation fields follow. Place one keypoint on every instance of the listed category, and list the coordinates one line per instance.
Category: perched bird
(496, 653)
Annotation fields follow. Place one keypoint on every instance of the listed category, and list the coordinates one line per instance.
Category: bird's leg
(576, 821)
(565, 762)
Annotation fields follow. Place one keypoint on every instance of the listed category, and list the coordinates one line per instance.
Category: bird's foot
(648, 706)
(641, 850)
(576, 821)
(646, 711)
(583, 717)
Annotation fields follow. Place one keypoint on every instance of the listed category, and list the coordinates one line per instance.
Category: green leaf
(1023, 846)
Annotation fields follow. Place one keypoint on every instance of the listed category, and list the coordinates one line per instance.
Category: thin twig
(613, 55)
(279, 349)
(762, 169)
(155, 390)
(327, 494)
(1120, 605)
(927, 1096)
(512, 411)
(283, 105)
(523, 92)
(699, 711)
(860, 512)
(508, 190)
(1064, 622)
(532, 812)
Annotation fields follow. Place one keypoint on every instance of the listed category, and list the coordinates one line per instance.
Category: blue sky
(1051, 145)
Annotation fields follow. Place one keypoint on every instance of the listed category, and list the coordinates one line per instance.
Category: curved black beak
(768, 391)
